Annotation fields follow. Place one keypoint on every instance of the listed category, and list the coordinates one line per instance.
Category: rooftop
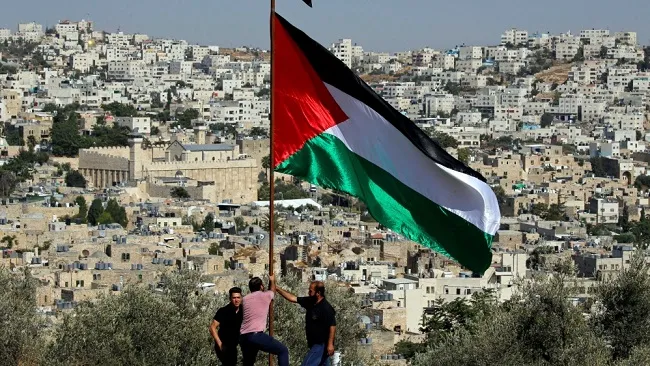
(209, 147)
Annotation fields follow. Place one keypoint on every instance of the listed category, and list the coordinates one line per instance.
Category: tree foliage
(208, 223)
(278, 223)
(598, 166)
(22, 166)
(240, 223)
(21, 334)
(117, 109)
(186, 116)
(75, 179)
(290, 322)
(642, 182)
(83, 209)
(117, 212)
(443, 139)
(547, 120)
(539, 326)
(140, 327)
(625, 303)
(179, 192)
(259, 132)
(463, 155)
(95, 211)
(283, 190)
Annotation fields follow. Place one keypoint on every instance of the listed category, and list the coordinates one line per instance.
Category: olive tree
(623, 316)
(290, 321)
(140, 327)
(21, 327)
(538, 326)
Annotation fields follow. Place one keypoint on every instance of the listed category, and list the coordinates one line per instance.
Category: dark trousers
(227, 354)
(251, 343)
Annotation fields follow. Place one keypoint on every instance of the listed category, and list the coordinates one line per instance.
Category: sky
(377, 25)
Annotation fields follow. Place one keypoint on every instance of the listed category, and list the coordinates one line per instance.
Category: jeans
(251, 343)
(227, 354)
(316, 356)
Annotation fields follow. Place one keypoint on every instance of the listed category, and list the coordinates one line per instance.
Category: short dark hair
(255, 284)
(234, 290)
(319, 287)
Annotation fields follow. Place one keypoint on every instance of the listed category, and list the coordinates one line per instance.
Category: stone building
(222, 172)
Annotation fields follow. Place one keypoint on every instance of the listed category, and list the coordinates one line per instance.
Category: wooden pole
(271, 174)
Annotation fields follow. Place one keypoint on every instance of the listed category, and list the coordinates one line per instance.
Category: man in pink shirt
(252, 337)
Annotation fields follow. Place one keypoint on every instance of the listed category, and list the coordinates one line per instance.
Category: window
(80, 283)
(127, 256)
(97, 277)
(457, 291)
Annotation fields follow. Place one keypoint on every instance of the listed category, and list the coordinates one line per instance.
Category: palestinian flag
(332, 130)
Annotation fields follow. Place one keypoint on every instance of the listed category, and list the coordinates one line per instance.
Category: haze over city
(380, 25)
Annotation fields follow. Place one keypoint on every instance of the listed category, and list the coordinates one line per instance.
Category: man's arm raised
(286, 294)
(272, 283)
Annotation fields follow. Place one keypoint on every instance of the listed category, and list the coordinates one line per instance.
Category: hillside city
(126, 159)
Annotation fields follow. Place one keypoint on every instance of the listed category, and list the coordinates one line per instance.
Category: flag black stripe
(308, 2)
(334, 72)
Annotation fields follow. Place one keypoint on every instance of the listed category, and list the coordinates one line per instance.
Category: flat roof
(209, 147)
(400, 281)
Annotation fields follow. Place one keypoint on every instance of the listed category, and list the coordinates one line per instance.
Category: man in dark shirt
(228, 319)
(320, 323)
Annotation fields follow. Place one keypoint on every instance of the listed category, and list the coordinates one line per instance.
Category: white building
(118, 39)
(470, 52)
(82, 62)
(65, 27)
(30, 27)
(435, 103)
(343, 51)
(180, 67)
(567, 48)
(627, 38)
(606, 149)
(136, 124)
(5, 34)
(126, 70)
(592, 36)
(514, 37)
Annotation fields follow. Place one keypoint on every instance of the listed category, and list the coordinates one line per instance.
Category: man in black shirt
(228, 319)
(320, 323)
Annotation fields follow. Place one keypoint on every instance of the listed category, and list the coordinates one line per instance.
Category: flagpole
(271, 175)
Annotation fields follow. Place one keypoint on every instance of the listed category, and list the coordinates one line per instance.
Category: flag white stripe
(369, 135)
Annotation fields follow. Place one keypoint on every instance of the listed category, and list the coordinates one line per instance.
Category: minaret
(135, 156)
(199, 134)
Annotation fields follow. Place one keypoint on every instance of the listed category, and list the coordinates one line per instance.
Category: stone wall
(74, 162)
(100, 169)
(235, 179)
(197, 193)
(115, 151)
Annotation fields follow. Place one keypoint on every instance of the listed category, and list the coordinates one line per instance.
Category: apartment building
(514, 37)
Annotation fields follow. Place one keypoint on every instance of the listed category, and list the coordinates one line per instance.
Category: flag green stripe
(327, 162)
